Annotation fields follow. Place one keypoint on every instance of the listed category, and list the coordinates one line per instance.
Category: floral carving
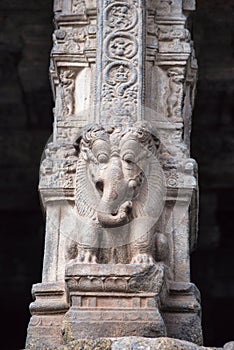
(120, 84)
(121, 45)
(172, 180)
(122, 283)
(122, 16)
(121, 75)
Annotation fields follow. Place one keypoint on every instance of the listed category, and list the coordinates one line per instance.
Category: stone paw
(86, 257)
(143, 259)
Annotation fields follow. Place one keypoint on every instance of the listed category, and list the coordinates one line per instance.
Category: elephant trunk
(116, 219)
(115, 206)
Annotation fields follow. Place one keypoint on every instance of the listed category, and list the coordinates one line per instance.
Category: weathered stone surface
(117, 300)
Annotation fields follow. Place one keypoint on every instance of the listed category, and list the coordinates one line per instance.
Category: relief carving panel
(117, 168)
(120, 86)
(74, 41)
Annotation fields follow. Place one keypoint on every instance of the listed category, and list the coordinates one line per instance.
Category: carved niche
(117, 170)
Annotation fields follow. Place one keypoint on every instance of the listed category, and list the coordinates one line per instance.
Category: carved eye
(129, 158)
(102, 158)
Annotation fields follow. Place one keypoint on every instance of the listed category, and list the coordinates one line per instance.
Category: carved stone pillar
(117, 182)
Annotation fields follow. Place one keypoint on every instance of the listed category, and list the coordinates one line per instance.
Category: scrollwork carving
(120, 15)
(121, 75)
(120, 83)
(121, 45)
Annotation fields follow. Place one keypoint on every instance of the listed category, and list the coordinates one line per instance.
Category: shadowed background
(25, 126)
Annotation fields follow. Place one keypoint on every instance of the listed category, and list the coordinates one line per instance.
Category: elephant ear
(150, 200)
(85, 198)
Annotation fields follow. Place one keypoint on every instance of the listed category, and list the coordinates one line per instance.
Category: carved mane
(149, 200)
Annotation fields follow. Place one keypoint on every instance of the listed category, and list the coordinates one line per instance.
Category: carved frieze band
(102, 280)
(119, 65)
(113, 284)
(139, 314)
(74, 41)
(58, 167)
(74, 7)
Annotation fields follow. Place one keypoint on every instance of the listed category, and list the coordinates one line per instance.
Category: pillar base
(114, 301)
(181, 312)
(47, 311)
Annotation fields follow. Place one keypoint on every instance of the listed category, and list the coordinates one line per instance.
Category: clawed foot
(142, 259)
(86, 257)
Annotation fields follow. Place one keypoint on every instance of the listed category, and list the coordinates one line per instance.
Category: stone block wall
(25, 126)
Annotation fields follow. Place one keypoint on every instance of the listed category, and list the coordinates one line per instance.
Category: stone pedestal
(47, 311)
(182, 312)
(114, 301)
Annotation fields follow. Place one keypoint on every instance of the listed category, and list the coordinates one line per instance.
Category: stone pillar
(117, 182)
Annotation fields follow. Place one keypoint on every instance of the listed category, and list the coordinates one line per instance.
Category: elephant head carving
(119, 177)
